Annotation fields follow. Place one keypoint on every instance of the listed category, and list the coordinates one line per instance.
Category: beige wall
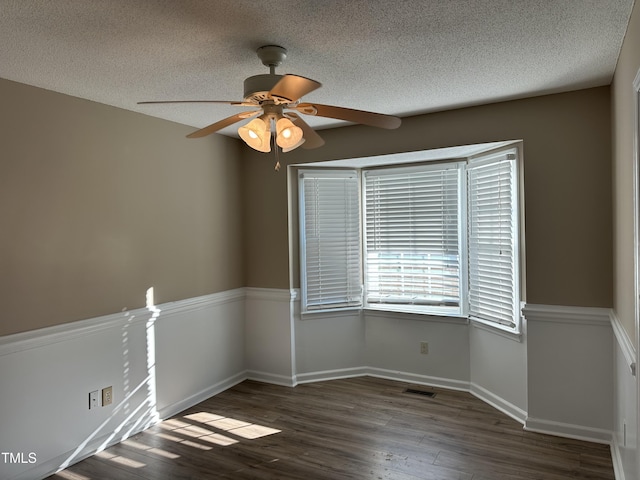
(567, 157)
(623, 122)
(98, 204)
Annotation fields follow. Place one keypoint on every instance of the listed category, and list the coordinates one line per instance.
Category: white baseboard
(616, 458)
(171, 410)
(559, 429)
(418, 379)
(273, 378)
(498, 403)
(331, 375)
(407, 377)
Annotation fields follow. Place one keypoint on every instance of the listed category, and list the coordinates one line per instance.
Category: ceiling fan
(277, 102)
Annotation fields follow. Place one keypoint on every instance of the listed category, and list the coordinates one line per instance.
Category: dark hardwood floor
(359, 428)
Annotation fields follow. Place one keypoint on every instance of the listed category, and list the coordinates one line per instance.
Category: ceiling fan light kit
(275, 95)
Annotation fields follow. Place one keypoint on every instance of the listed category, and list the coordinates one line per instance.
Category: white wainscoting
(269, 335)
(329, 345)
(498, 369)
(624, 448)
(393, 345)
(159, 361)
(570, 371)
(557, 378)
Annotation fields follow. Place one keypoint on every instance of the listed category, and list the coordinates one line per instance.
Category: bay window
(433, 238)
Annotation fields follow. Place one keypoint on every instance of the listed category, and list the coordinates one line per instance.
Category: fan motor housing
(257, 88)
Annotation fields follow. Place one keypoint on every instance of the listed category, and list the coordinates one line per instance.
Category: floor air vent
(420, 392)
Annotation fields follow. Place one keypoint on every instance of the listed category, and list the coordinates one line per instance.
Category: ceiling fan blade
(225, 122)
(292, 87)
(311, 138)
(358, 116)
(227, 102)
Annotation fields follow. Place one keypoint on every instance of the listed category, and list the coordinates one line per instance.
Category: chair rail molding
(566, 314)
(624, 342)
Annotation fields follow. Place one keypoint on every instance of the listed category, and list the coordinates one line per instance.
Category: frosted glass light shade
(256, 134)
(293, 147)
(289, 135)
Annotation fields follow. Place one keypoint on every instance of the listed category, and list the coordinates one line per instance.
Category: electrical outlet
(107, 396)
(94, 399)
(424, 348)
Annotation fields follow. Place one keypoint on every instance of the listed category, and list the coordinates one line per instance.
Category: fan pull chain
(277, 154)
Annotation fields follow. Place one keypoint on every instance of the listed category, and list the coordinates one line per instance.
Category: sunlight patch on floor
(193, 431)
(127, 462)
(252, 432)
(150, 449)
(203, 417)
(173, 424)
(249, 431)
(189, 443)
(218, 439)
(199, 446)
(67, 475)
(228, 424)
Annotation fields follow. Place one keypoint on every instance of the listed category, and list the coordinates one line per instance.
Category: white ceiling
(402, 57)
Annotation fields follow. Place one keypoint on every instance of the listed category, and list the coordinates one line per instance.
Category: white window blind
(412, 241)
(330, 243)
(492, 237)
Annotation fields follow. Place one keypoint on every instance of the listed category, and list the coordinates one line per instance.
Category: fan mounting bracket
(272, 55)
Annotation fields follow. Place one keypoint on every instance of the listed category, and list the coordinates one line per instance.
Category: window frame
(516, 244)
(332, 174)
(422, 309)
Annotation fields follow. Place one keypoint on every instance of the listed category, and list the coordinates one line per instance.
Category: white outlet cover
(94, 399)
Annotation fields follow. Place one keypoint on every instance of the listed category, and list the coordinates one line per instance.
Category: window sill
(331, 313)
(429, 317)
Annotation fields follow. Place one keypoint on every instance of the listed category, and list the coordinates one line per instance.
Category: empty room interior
(170, 254)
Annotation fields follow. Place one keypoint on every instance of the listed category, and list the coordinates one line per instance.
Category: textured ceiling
(402, 57)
